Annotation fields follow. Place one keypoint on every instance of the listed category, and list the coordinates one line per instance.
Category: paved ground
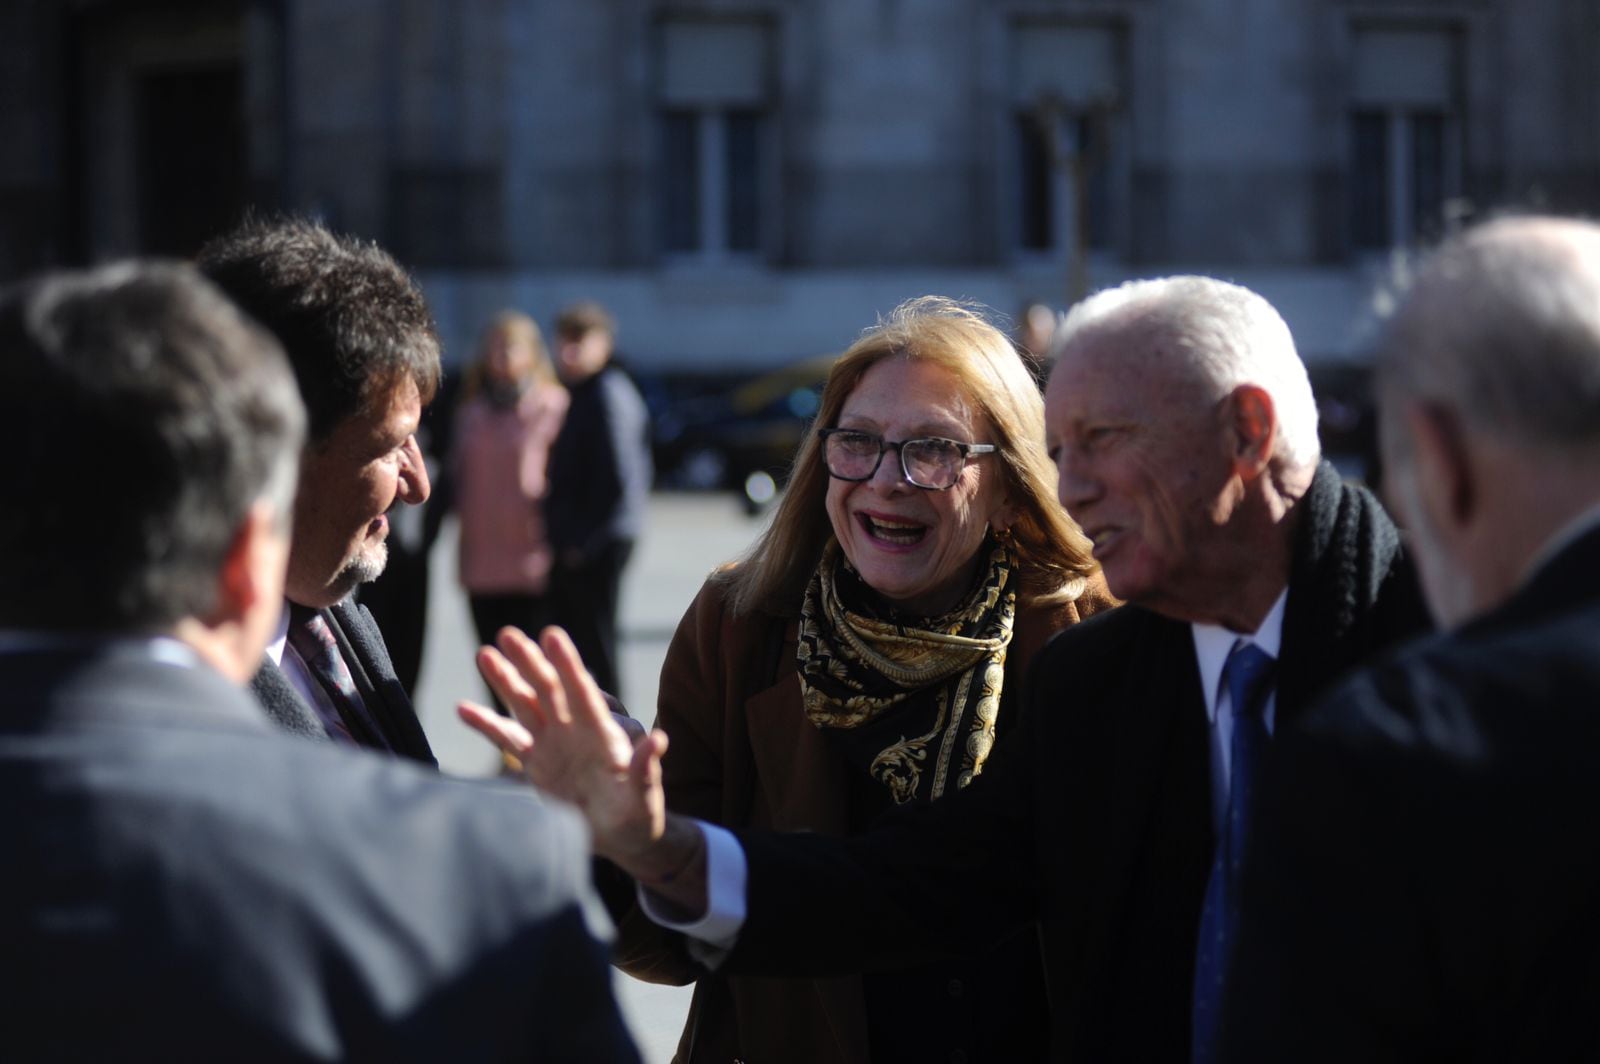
(688, 535)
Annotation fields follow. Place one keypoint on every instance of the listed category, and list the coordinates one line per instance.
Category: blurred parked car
(738, 437)
(1347, 419)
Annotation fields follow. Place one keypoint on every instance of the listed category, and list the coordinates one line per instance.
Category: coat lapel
(283, 704)
(1158, 785)
(362, 648)
(803, 787)
(802, 783)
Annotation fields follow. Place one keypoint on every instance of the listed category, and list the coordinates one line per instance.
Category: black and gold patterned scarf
(895, 692)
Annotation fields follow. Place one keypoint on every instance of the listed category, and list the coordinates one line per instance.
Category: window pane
(1097, 158)
(1036, 180)
(680, 180)
(1408, 68)
(1427, 172)
(714, 64)
(1074, 64)
(189, 187)
(743, 141)
(1369, 179)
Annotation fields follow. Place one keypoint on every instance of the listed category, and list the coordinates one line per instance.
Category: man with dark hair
(182, 881)
(366, 358)
(1427, 879)
(600, 472)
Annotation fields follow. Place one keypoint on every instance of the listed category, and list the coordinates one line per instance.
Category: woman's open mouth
(896, 533)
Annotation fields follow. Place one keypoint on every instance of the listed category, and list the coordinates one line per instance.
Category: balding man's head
(1502, 325)
(1183, 427)
(1489, 383)
(1209, 336)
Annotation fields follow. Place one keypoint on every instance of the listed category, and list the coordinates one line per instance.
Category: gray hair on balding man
(1502, 325)
(1226, 334)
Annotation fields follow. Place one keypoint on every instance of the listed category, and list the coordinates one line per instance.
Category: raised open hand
(569, 743)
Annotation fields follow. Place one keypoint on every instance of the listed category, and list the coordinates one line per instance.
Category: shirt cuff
(711, 935)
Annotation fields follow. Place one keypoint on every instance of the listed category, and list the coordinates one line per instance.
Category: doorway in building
(190, 171)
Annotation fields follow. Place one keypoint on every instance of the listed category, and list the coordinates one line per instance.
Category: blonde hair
(1053, 554)
(515, 325)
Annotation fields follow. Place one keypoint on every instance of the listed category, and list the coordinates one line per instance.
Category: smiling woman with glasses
(867, 653)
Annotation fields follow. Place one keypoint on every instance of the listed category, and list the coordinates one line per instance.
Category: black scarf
(1352, 591)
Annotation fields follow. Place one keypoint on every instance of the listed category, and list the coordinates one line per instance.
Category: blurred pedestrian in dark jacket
(600, 473)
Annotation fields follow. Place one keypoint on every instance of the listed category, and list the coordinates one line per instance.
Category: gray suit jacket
(361, 646)
(183, 882)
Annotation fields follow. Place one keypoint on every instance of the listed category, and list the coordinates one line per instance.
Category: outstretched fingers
(519, 675)
(511, 737)
(567, 740)
(581, 696)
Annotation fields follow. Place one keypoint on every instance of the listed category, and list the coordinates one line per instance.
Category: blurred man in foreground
(181, 881)
(1427, 880)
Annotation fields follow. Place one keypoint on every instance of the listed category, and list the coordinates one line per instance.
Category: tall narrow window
(1404, 130)
(1369, 178)
(743, 143)
(1429, 164)
(715, 121)
(1066, 93)
(1036, 184)
(680, 180)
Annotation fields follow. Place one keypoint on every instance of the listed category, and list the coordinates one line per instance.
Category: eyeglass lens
(926, 463)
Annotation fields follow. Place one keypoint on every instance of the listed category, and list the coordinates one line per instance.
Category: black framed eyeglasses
(928, 462)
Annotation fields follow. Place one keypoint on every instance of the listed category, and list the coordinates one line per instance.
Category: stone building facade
(751, 181)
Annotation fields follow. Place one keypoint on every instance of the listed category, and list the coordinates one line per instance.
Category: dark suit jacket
(181, 882)
(1095, 818)
(600, 468)
(1428, 885)
(361, 646)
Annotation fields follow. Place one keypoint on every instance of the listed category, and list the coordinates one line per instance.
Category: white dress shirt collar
(1213, 643)
(280, 637)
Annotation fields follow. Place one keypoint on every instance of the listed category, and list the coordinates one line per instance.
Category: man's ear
(1444, 481)
(251, 578)
(1253, 424)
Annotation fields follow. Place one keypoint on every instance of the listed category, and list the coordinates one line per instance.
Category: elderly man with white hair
(1183, 426)
(1428, 882)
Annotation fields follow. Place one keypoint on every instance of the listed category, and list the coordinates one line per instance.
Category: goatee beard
(364, 568)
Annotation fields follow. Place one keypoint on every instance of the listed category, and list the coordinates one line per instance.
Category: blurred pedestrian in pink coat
(512, 406)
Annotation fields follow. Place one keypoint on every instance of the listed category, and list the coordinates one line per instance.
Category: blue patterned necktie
(1249, 674)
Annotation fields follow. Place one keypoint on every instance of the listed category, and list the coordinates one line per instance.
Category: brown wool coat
(743, 754)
